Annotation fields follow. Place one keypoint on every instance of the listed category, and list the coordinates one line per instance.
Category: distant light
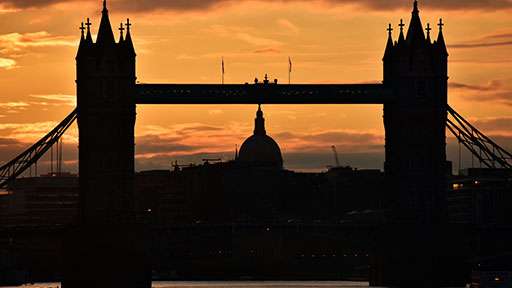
(149, 210)
(457, 186)
(497, 279)
(477, 182)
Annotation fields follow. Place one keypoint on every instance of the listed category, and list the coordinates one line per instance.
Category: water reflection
(240, 284)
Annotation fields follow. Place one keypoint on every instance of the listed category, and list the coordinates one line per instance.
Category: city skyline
(253, 42)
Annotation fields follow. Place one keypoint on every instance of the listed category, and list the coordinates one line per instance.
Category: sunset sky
(183, 41)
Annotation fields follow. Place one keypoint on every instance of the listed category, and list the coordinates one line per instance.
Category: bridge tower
(105, 251)
(415, 69)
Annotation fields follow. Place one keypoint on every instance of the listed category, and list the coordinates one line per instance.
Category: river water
(270, 284)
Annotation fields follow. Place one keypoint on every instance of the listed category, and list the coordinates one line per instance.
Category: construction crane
(333, 147)
(210, 160)
(177, 166)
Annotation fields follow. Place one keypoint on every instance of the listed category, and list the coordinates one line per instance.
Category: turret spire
(415, 32)
(259, 123)
(82, 32)
(401, 38)
(88, 38)
(440, 38)
(82, 45)
(428, 29)
(105, 34)
(389, 45)
(128, 39)
(121, 29)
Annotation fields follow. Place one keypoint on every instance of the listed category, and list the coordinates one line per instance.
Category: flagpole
(222, 70)
(289, 70)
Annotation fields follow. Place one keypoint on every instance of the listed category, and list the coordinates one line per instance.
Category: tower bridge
(107, 244)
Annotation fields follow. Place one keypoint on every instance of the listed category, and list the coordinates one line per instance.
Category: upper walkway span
(262, 93)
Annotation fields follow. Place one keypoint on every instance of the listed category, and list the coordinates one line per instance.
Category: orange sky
(329, 41)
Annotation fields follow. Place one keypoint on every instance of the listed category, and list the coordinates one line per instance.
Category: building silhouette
(260, 149)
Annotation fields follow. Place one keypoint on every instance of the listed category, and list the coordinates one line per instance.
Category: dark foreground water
(270, 284)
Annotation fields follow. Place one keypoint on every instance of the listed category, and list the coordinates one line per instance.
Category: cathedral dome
(260, 149)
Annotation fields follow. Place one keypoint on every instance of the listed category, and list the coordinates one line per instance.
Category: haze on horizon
(329, 41)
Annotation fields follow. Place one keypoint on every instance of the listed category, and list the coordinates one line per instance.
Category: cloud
(28, 3)
(14, 105)
(26, 132)
(198, 5)
(491, 86)
(494, 91)
(195, 141)
(6, 63)
(215, 112)
(56, 99)
(491, 40)
(481, 45)
(288, 25)
(267, 51)
(243, 34)
(16, 42)
(378, 5)
(494, 125)
(10, 147)
(346, 141)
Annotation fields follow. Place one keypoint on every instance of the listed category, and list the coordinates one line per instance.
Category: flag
(290, 65)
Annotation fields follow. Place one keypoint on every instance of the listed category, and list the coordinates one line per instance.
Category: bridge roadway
(262, 93)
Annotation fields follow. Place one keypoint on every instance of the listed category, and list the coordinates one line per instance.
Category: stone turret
(415, 70)
(106, 250)
(105, 85)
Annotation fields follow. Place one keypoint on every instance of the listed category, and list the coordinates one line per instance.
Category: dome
(260, 149)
